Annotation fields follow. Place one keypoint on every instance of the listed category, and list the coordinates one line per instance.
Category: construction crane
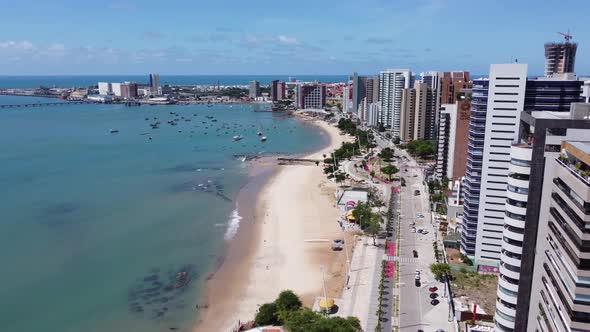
(567, 36)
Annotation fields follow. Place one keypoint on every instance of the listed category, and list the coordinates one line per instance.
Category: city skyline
(134, 37)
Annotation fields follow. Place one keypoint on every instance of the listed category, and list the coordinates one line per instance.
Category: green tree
(288, 301)
(372, 174)
(389, 170)
(440, 269)
(380, 127)
(373, 227)
(301, 320)
(396, 140)
(267, 315)
(386, 154)
(445, 183)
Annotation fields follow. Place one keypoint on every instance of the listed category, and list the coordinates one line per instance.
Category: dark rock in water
(153, 277)
(60, 209)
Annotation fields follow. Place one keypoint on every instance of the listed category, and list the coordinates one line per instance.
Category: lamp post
(324, 288)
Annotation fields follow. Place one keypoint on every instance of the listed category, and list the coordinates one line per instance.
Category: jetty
(46, 104)
(298, 161)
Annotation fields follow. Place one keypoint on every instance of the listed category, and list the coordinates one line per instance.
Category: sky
(283, 37)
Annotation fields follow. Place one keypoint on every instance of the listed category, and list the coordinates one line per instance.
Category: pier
(46, 104)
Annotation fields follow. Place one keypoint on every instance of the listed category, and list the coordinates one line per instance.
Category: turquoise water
(95, 226)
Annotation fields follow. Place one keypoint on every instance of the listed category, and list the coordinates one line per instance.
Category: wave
(233, 225)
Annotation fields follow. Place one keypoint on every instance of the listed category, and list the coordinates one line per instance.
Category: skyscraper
(277, 90)
(358, 91)
(432, 79)
(560, 58)
(155, 84)
(452, 83)
(477, 122)
(407, 115)
(369, 84)
(452, 140)
(508, 93)
(254, 89)
(540, 188)
(391, 84)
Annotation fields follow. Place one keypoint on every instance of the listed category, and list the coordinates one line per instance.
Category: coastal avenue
(416, 311)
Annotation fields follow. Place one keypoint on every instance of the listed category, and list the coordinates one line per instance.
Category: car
(433, 289)
(417, 277)
(420, 230)
(416, 192)
(413, 229)
(424, 232)
(433, 295)
(337, 244)
(415, 253)
(434, 302)
(417, 283)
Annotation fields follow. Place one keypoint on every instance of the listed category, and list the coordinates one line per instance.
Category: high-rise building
(277, 90)
(538, 285)
(254, 89)
(373, 114)
(358, 91)
(421, 112)
(473, 169)
(311, 96)
(432, 79)
(407, 121)
(376, 88)
(105, 88)
(391, 84)
(452, 140)
(451, 83)
(508, 94)
(370, 85)
(155, 84)
(560, 58)
(128, 90)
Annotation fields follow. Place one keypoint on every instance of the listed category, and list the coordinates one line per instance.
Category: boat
(237, 137)
(259, 133)
(263, 139)
(114, 131)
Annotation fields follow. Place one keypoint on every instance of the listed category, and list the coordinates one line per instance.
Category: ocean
(88, 80)
(106, 231)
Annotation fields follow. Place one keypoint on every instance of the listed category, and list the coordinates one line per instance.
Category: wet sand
(289, 219)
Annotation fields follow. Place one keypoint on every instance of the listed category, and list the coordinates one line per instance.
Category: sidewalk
(364, 278)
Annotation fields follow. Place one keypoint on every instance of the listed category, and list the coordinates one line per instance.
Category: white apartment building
(391, 84)
(104, 88)
(506, 95)
(373, 114)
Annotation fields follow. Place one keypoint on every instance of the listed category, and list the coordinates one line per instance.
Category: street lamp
(324, 287)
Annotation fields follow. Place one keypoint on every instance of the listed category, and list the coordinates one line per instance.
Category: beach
(289, 219)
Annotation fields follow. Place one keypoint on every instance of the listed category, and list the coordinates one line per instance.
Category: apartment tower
(391, 84)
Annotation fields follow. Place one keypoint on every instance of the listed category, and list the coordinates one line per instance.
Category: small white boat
(237, 137)
(263, 139)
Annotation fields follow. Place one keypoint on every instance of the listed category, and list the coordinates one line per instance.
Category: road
(417, 313)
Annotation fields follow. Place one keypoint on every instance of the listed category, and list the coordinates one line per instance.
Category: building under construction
(560, 57)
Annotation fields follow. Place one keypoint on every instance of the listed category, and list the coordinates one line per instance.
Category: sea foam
(233, 225)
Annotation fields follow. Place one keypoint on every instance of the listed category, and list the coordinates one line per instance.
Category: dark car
(415, 253)
(433, 295)
(434, 302)
(433, 289)
(418, 284)
(416, 192)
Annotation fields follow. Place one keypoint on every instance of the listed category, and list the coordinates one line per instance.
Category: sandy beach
(283, 240)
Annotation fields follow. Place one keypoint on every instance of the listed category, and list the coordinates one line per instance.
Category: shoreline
(270, 253)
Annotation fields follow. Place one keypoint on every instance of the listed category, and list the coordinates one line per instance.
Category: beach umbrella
(329, 305)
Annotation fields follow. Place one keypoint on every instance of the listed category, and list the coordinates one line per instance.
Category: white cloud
(23, 45)
(56, 47)
(288, 40)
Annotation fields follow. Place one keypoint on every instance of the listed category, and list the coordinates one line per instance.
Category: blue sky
(282, 37)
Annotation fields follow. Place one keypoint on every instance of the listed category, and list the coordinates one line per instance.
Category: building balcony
(569, 165)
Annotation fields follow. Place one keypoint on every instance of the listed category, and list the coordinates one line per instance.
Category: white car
(413, 229)
(424, 232)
